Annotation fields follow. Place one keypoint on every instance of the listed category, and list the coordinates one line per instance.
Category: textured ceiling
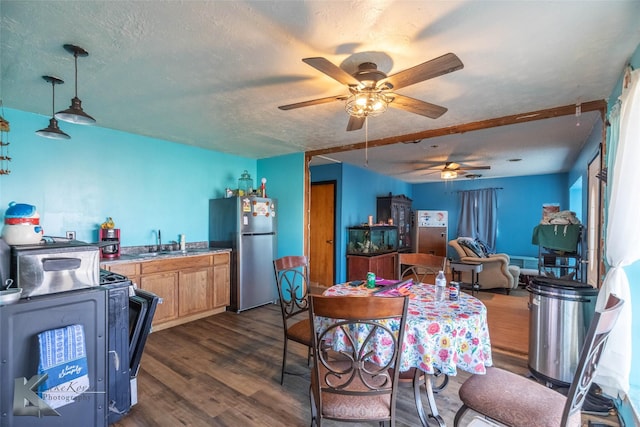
(212, 73)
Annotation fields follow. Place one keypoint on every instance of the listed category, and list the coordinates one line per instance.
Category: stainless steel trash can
(560, 312)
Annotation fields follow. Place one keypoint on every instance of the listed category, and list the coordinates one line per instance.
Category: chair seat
(515, 400)
(350, 407)
(300, 332)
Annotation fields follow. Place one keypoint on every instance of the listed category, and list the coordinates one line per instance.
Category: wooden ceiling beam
(548, 113)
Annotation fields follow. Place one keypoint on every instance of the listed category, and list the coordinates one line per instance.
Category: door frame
(334, 184)
(594, 237)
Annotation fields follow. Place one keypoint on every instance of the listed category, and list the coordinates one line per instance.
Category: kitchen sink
(149, 254)
(169, 253)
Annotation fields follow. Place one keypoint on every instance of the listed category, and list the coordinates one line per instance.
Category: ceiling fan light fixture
(447, 174)
(366, 103)
(75, 114)
(53, 131)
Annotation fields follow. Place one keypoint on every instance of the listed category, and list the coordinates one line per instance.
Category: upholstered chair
(496, 271)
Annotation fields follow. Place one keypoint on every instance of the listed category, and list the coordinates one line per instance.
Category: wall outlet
(71, 235)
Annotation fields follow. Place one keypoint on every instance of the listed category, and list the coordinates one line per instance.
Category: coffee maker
(110, 242)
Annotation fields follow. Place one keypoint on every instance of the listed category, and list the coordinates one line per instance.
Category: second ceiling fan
(371, 90)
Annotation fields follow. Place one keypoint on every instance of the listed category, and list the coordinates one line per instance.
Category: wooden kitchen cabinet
(194, 291)
(221, 280)
(165, 285)
(191, 287)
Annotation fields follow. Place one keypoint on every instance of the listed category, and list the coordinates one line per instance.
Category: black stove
(130, 312)
(110, 278)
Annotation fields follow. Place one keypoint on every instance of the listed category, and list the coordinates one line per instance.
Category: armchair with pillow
(496, 271)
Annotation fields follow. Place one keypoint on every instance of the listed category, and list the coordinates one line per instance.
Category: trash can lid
(563, 284)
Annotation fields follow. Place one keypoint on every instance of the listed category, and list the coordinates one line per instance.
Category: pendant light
(53, 131)
(75, 114)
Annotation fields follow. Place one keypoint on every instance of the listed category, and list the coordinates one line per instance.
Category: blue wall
(286, 183)
(356, 192)
(520, 201)
(145, 184)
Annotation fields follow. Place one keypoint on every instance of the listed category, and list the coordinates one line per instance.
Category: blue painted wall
(356, 193)
(520, 201)
(285, 182)
(145, 184)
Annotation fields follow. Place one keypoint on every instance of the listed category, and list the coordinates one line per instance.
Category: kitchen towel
(63, 359)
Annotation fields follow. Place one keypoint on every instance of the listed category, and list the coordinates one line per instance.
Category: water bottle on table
(441, 286)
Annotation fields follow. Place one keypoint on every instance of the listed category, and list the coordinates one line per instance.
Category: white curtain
(622, 237)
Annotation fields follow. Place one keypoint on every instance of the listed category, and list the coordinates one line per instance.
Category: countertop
(152, 256)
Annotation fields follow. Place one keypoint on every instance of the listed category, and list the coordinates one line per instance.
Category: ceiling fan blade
(313, 102)
(473, 168)
(416, 106)
(427, 70)
(451, 166)
(332, 70)
(355, 123)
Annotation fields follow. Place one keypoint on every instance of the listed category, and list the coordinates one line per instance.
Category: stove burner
(109, 277)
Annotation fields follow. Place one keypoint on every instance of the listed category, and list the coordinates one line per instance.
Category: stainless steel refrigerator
(247, 225)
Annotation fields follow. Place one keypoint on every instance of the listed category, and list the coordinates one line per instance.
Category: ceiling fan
(451, 170)
(371, 90)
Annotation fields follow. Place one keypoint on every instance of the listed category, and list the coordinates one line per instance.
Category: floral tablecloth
(444, 335)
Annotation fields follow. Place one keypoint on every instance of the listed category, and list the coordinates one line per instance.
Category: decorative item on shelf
(4, 143)
(245, 184)
(75, 114)
(263, 187)
(53, 131)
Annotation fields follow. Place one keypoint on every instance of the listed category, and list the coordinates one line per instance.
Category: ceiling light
(446, 174)
(75, 114)
(53, 131)
(366, 103)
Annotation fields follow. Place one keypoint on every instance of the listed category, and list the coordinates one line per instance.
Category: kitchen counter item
(21, 225)
(54, 267)
(9, 295)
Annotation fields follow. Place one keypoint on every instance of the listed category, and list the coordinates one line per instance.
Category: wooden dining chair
(292, 278)
(418, 266)
(356, 383)
(517, 401)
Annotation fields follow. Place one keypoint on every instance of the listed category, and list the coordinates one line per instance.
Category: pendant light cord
(366, 141)
(75, 56)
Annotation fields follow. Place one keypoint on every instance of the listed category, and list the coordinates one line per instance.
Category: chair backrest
(417, 265)
(292, 278)
(347, 330)
(594, 343)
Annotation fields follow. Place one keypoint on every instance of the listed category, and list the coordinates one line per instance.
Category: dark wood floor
(224, 370)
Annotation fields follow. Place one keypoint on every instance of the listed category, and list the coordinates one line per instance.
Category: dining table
(440, 336)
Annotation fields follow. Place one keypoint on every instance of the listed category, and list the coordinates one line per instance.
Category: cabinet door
(194, 291)
(165, 285)
(221, 281)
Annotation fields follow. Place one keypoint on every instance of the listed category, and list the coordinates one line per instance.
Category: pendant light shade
(75, 114)
(53, 131)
